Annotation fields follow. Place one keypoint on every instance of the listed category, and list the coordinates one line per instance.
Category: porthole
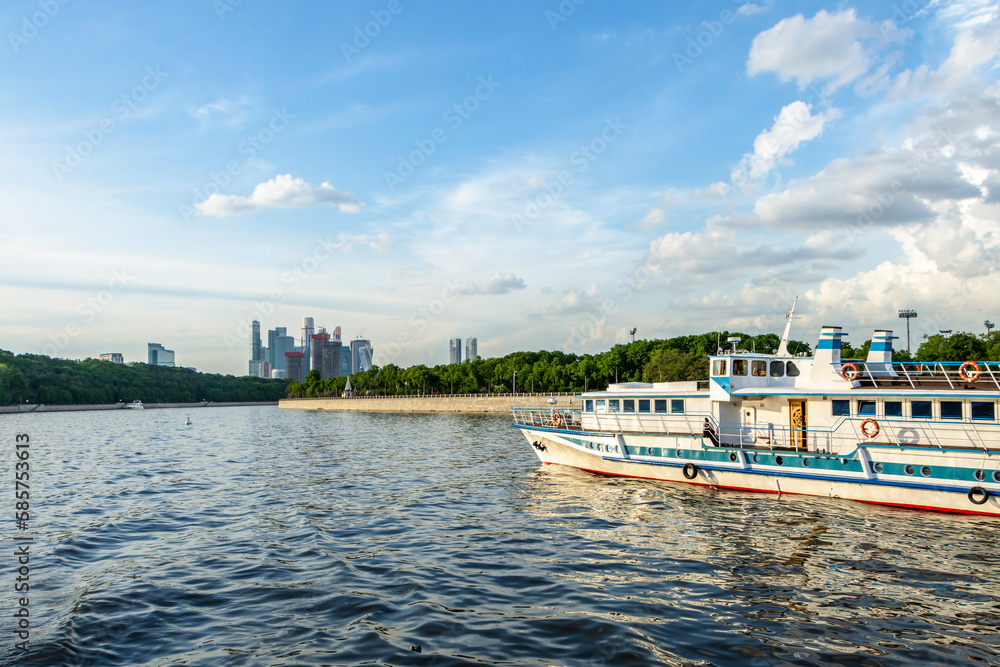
(806, 462)
(732, 456)
(679, 454)
(925, 471)
(877, 467)
(996, 475)
(779, 460)
(979, 475)
(756, 459)
(908, 470)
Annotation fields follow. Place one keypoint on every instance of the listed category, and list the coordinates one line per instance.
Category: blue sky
(540, 175)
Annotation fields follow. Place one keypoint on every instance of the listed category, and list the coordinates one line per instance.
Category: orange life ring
(557, 419)
(969, 371)
(864, 428)
(854, 372)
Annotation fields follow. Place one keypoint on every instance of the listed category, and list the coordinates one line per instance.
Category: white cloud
(573, 302)
(282, 191)
(826, 47)
(377, 242)
(749, 8)
(498, 283)
(718, 190)
(793, 125)
(232, 112)
(653, 218)
(971, 50)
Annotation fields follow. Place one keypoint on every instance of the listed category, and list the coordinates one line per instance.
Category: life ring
(969, 371)
(557, 419)
(864, 428)
(854, 372)
(690, 470)
(975, 491)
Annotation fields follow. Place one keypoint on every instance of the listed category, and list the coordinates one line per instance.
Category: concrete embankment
(470, 403)
(41, 407)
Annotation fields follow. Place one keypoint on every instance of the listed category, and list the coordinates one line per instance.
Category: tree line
(35, 378)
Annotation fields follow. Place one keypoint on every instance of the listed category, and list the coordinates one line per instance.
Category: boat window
(588, 405)
(841, 408)
(777, 369)
(677, 405)
(599, 405)
(661, 405)
(719, 367)
(893, 409)
(982, 410)
(739, 366)
(920, 409)
(643, 405)
(758, 368)
(791, 370)
(628, 405)
(951, 409)
(612, 405)
(866, 408)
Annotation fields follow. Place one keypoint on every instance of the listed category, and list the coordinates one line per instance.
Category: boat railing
(547, 417)
(964, 375)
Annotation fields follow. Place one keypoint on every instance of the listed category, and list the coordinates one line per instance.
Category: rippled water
(265, 537)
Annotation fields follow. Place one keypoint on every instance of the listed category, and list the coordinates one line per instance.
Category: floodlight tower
(989, 327)
(907, 315)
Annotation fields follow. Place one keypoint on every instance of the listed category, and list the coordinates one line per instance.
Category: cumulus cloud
(793, 125)
(282, 191)
(498, 283)
(573, 302)
(827, 47)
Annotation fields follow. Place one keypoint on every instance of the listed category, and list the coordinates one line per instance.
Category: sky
(538, 175)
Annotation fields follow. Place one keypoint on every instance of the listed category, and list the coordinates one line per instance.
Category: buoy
(187, 421)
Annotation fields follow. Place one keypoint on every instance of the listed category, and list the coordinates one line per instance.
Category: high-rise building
(361, 355)
(256, 354)
(455, 351)
(256, 369)
(159, 355)
(294, 366)
(331, 358)
(113, 357)
(345, 363)
(282, 343)
(471, 351)
(318, 347)
(307, 332)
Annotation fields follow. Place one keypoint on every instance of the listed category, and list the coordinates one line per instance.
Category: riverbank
(467, 403)
(42, 407)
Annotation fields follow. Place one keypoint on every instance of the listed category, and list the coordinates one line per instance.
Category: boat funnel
(826, 362)
(879, 361)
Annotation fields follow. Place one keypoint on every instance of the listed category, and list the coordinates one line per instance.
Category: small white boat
(134, 405)
(918, 435)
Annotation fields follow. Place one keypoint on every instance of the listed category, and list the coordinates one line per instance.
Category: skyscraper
(307, 332)
(293, 366)
(471, 353)
(255, 351)
(159, 355)
(318, 347)
(361, 355)
(455, 351)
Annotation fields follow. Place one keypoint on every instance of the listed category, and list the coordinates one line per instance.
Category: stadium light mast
(907, 315)
(989, 327)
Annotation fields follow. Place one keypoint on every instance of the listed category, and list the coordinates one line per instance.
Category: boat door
(798, 421)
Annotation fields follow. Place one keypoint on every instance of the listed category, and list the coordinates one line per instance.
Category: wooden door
(798, 421)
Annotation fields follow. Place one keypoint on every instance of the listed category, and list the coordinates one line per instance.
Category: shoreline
(28, 408)
(454, 403)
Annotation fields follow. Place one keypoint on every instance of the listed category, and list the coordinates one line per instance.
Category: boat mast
(783, 346)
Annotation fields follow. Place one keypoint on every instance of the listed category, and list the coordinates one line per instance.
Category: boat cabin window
(951, 409)
(628, 405)
(758, 368)
(866, 408)
(983, 410)
(643, 405)
(588, 405)
(777, 369)
(599, 405)
(739, 366)
(612, 405)
(841, 408)
(893, 409)
(661, 405)
(719, 367)
(791, 370)
(677, 405)
(920, 409)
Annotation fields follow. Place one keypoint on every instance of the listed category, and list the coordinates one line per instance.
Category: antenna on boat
(789, 316)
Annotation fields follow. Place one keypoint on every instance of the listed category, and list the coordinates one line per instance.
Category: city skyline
(552, 175)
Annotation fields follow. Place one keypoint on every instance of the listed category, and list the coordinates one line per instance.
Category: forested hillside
(36, 378)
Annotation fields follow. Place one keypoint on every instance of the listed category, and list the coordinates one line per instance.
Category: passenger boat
(134, 405)
(905, 434)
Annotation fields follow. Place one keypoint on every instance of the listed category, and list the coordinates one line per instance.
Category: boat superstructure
(922, 435)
